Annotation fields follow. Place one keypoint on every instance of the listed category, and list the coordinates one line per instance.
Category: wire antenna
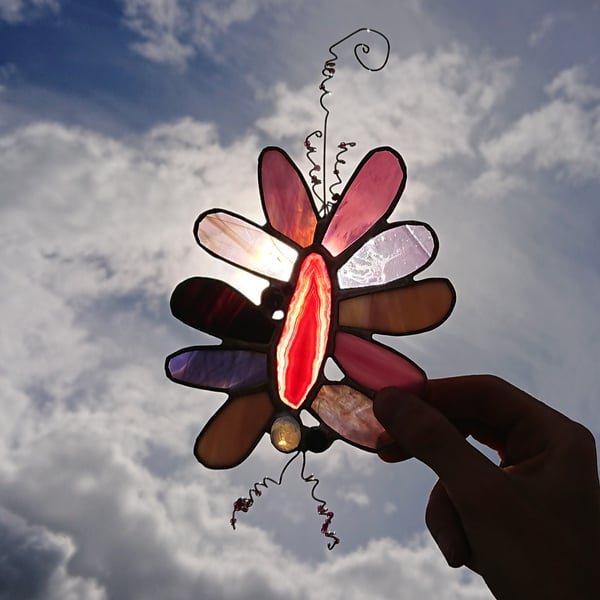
(328, 71)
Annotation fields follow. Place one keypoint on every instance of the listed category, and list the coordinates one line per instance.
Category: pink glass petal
(289, 209)
(350, 413)
(233, 432)
(371, 193)
(375, 366)
(246, 245)
(417, 307)
(391, 255)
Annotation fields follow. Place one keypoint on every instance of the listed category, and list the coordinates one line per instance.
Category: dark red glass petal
(287, 204)
(216, 308)
(301, 348)
(217, 369)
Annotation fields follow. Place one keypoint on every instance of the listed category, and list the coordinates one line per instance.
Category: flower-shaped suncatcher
(338, 272)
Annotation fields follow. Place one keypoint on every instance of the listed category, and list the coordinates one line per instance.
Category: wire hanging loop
(328, 71)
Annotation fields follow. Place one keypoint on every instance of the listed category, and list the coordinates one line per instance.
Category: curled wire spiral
(321, 507)
(328, 72)
(315, 168)
(343, 148)
(244, 504)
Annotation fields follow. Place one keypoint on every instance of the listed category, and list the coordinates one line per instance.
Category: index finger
(486, 399)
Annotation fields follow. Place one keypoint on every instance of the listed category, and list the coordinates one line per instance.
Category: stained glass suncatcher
(338, 272)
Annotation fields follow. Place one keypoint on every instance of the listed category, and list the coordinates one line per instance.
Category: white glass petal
(246, 245)
(392, 254)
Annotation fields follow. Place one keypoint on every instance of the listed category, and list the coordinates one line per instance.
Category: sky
(120, 122)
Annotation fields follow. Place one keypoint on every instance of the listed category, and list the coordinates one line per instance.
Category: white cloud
(573, 84)
(430, 107)
(96, 471)
(17, 11)
(562, 136)
(172, 31)
(95, 461)
(545, 26)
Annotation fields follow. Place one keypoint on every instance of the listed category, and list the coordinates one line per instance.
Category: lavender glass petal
(219, 369)
(246, 245)
(391, 255)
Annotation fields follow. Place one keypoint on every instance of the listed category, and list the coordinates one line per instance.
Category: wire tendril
(328, 72)
(244, 504)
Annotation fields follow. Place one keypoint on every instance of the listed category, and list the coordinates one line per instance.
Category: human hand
(530, 525)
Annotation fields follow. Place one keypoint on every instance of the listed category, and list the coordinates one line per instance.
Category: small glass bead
(286, 433)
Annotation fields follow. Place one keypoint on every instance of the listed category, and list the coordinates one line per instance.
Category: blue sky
(119, 123)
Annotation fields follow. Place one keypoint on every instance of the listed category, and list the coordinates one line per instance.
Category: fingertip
(393, 454)
(387, 403)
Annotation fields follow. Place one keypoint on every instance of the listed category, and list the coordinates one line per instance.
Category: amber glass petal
(350, 413)
(375, 366)
(233, 432)
(245, 244)
(371, 193)
(391, 255)
(217, 369)
(217, 308)
(417, 307)
(287, 203)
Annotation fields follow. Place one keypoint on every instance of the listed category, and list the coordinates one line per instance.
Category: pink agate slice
(246, 245)
(375, 366)
(391, 255)
(350, 414)
(371, 193)
(287, 204)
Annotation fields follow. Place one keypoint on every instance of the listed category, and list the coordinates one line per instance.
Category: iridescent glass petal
(287, 203)
(217, 308)
(371, 192)
(391, 255)
(417, 307)
(217, 369)
(375, 366)
(350, 413)
(233, 432)
(246, 245)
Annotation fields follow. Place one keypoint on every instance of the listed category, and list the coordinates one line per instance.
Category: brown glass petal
(216, 308)
(417, 307)
(350, 413)
(287, 204)
(233, 432)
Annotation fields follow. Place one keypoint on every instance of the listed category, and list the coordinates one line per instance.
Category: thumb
(425, 433)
